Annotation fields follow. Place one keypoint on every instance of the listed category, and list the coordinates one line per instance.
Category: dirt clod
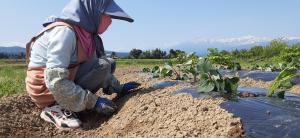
(236, 131)
(205, 109)
(247, 94)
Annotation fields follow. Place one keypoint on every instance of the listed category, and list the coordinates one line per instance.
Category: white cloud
(243, 40)
(237, 40)
(291, 38)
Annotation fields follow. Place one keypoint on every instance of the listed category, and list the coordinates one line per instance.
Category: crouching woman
(67, 65)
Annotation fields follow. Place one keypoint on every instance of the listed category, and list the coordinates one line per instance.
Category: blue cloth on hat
(116, 12)
(83, 13)
(86, 14)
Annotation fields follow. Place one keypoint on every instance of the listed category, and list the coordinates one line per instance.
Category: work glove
(128, 86)
(105, 106)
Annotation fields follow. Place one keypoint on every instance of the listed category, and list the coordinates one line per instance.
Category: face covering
(86, 38)
(105, 23)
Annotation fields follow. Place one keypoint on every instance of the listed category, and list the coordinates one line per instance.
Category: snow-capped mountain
(200, 45)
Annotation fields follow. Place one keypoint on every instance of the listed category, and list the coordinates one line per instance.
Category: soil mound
(148, 112)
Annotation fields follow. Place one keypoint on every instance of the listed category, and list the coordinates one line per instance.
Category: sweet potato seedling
(283, 82)
(200, 71)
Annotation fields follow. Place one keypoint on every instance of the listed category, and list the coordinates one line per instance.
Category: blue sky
(161, 23)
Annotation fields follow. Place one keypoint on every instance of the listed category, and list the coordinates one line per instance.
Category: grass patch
(140, 62)
(12, 80)
(13, 73)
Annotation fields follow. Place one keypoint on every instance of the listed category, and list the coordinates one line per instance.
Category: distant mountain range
(119, 54)
(12, 50)
(200, 45)
(18, 49)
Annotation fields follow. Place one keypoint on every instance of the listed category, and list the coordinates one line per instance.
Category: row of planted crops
(263, 115)
(207, 74)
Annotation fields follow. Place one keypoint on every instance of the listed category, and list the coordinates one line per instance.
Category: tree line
(20, 55)
(278, 50)
(153, 54)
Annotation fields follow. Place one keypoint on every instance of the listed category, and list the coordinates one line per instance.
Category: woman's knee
(112, 64)
(103, 66)
(107, 63)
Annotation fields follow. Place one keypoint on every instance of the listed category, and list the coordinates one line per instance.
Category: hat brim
(116, 12)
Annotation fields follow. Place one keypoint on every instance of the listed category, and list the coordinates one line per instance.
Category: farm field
(151, 111)
(147, 69)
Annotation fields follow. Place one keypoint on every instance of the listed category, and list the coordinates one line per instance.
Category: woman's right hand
(105, 106)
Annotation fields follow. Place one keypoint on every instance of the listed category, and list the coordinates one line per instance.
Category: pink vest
(35, 83)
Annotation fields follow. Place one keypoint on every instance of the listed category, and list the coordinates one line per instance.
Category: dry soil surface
(147, 112)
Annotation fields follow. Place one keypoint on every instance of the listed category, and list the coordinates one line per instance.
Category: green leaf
(231, 85)
(282, 66)
(166, 72)
(283, 76)
(146, 70)
(169, 63)
(204, 66)
(189, 62)
(206, 86)
(205, 76)
(155, 69)
(169, 67)
(220, 85)
(286, 84)
(235, 66)
(215, 77)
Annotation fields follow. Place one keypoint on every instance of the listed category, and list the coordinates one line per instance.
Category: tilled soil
(147, 112)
